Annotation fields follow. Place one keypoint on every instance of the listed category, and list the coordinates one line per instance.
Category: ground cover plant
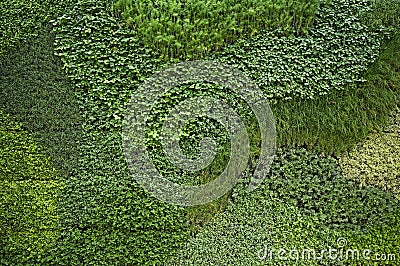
(375, 161)
(262, 58)
(70, 87)
(22, 20)
(338, 120)
(28, 195)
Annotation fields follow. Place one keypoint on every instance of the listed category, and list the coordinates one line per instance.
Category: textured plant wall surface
(330, 72)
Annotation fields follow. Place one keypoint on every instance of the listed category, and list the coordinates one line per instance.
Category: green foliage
(190, 136)
(329, 124)
(315, 185)
(106, 62)
(100, 203)
(106, 218)
(34, 89)
(383, 14)
(305, 203)
(196, 130)
(336, 122)
(189, 29)
(28, 196)
(376, 160)
(308, 67)
(381, 240)
(21, 20)
(103, 208)
(21, 158)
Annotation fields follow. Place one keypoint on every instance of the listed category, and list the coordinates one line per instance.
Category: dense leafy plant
(337, 121)
(99, 201)
(107, 62)
(382, 14)
(22, 20)
(308, 67)
(34, 89)
(376, 160)
(28, 196)
(189, 29)
(305, 203)
(315, 185)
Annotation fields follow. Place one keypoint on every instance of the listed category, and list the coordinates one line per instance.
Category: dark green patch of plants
(99, 200)
(317, 187)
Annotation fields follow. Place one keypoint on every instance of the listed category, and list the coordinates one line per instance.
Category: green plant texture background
(331, 73)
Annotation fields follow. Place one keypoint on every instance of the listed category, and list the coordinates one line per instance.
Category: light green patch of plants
(189, 29)
(28, 196)
(375, 161)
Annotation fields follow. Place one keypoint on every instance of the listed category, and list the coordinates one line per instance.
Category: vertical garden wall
(330, 70)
